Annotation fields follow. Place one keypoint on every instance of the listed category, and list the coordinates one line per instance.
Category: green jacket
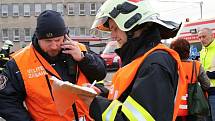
(207, 57)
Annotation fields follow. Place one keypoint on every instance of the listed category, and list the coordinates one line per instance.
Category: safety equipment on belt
(129, 13)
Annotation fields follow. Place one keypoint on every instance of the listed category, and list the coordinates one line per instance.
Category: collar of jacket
(212, 45)
(136, 47)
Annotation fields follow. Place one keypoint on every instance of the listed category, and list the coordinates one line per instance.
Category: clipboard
(73, 88)
(65, 94)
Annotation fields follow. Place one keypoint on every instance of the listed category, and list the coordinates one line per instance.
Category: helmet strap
(130, 34)
(144, 26)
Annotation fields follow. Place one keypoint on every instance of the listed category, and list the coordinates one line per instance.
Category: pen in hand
(91, 86)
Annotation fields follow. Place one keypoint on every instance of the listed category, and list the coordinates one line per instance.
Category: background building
(18, 18)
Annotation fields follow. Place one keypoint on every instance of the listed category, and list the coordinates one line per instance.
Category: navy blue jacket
(154, 85)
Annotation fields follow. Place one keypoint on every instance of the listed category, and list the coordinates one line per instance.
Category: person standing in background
(5, 53)
(207, 58)
(182, 47)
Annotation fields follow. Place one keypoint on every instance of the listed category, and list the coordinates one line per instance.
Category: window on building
(15, 10)
(71, 9)
(5, 35)
(49, 6)
(82, 31)
(81, 9)
(37, 9)
(77, 32)
(4, 10)
(60, 8)
(16, 34)
(26, 10)
(88, 31)
(72, 31)
(93, 9)
(27, 34)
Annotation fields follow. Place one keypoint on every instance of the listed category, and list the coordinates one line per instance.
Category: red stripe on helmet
(136, 1)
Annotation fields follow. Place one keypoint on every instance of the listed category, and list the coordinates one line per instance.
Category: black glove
(211, 75)
(104, 91)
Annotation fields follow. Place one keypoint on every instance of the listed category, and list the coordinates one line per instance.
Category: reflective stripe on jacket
(207, 57)
(187, 66)
(33, 68)
(123, 78)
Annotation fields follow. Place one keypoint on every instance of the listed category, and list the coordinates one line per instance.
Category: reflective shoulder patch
(3, 81)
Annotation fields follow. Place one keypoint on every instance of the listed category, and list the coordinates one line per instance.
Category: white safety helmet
(7, 44)
(127, 14)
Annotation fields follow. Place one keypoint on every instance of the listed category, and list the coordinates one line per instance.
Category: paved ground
(109, 76)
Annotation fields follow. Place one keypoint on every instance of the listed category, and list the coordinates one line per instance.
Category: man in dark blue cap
(26, 77)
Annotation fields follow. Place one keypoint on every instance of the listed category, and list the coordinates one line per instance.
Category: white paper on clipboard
(65, 93)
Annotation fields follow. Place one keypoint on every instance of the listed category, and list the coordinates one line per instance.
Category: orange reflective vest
(125, 75)
(187, 66)
(38, 99)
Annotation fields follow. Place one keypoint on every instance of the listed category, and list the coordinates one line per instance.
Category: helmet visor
(101, 24)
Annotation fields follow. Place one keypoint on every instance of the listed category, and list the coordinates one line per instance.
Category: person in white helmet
(5, 49)
(146, 87)
(5, 53)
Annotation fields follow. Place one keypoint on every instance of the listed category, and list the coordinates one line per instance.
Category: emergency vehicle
(189, 31)
(112, 60)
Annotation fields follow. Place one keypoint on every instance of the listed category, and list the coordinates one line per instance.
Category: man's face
(51, 46)
(117, 34)
(205, 37)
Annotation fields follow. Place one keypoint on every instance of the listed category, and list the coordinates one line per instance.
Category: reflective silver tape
(134, 111)
(183, 107)
(108, 115)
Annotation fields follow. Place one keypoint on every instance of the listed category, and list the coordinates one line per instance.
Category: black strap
(75, 112)
(46, 76)
(44, 66)
(50, 87)
(194, 71)
(193, 66)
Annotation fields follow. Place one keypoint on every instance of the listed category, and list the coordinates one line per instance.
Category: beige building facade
(18, 18)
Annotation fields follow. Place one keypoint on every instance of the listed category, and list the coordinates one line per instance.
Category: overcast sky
(181, 9)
